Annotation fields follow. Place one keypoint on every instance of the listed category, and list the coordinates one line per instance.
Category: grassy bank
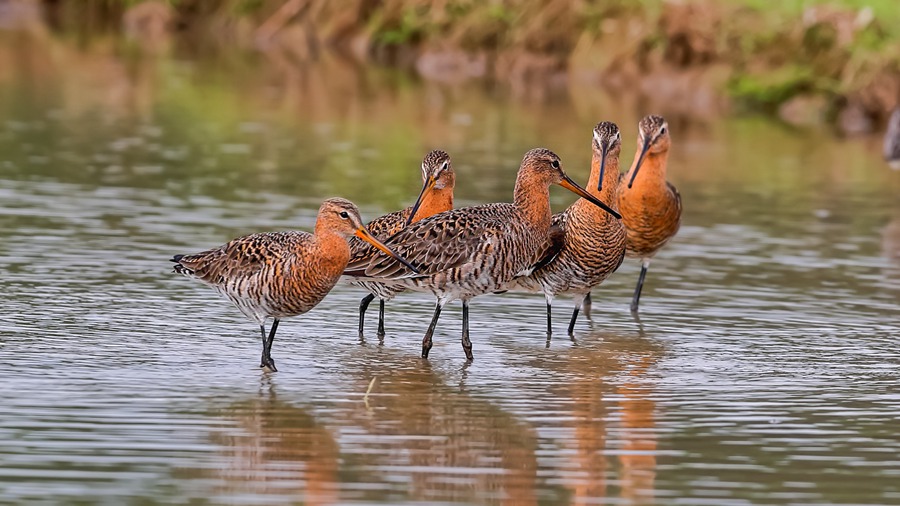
(809, 61)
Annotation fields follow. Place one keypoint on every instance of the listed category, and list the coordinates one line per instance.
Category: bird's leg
(640, 285)
(586, 306)
(267, 352)
(426, 341)
(262, 360)
(363, 305)
(572, 321)
(380, 318)
(466, 342)
(549, 321)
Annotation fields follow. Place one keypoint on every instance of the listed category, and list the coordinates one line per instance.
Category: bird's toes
(268, 366)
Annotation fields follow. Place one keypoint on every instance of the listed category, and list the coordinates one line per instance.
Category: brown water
(765, 368)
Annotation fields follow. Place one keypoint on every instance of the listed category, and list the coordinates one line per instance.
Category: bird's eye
(662, 131)
(445, 165)
(555, 164)
(344, 215)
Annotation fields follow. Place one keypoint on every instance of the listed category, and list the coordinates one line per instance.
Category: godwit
(587, 244)
(436, 196)
(892, 140)
(475, 250)
(650, 205)
(282, 274)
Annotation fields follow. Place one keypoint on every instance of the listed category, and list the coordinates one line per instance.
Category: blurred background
(763, 367)
(804, 61)
(258, 92)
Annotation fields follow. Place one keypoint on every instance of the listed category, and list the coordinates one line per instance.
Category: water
(763, 369)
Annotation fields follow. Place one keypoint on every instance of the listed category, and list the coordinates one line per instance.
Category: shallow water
(764, 368)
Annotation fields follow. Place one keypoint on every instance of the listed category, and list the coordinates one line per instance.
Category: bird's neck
(433, 203)
(610, 181)
(532, 197)
(332, 249)
(652, 175)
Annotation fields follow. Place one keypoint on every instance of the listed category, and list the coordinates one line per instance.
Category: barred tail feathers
(180, 269)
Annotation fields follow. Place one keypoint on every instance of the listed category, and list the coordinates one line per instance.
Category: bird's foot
(268, 365)
(426, 346)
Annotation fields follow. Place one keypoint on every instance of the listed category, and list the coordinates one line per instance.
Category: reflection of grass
(242, 145)
(773, 50)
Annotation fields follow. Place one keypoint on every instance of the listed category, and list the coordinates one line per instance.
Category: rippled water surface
(764, 368)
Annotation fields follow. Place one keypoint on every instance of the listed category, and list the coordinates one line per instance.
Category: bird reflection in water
(445, 444)
(277, 449)
(613, 419)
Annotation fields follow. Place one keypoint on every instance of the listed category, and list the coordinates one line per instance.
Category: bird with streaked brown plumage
(282, 274)
(438, 181)
(650, 205)
(891, 147)
(471, 251)
(587, 244)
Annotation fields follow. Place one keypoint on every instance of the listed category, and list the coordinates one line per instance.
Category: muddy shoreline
(824, 64)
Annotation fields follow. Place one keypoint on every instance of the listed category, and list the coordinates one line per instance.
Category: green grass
(773, 55)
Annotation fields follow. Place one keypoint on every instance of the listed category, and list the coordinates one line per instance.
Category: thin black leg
(466, 342)
(586, 306)
(363, 305)
(426, 341)
(572, 321)
(637, 290)
(549, 320)
(380, 317)
(262, 360)
(268, 361)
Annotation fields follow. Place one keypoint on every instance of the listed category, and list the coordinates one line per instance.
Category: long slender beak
(573, 187)
(603, 152)
(429, 184)
(364, 234)
(640, 160)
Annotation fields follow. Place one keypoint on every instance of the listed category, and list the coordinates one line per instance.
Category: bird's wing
(244, 256)
(551, 248)
(438, 243)
(677, 196)
(382, 228)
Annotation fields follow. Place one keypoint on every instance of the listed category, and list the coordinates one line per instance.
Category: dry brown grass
(756, 54)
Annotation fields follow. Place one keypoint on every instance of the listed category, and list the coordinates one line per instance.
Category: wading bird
(475, 250)
(436, 196)
(282, 274)
(586, 244)
(650, 205)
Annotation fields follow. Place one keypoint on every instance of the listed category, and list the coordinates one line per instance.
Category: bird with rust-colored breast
(586, 243)
(471, 251)
(650, 205)
(282, 274)
(438, 180)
